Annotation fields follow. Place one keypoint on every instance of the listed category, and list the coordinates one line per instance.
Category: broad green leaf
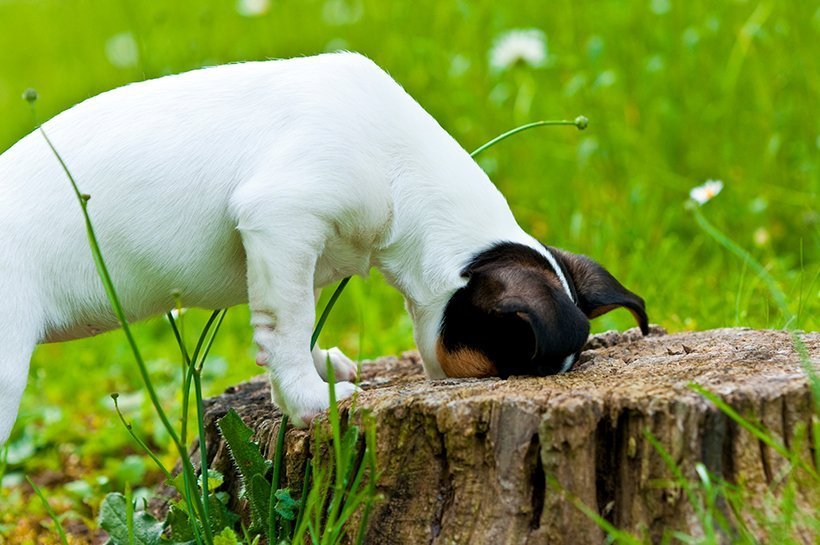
(178, 483)
(286, 506)
(215, 479)
(253, 467)
(113, 519)
(226, 537)
(180, 524)
(177, 519)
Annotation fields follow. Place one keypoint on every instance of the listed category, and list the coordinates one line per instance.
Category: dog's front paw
(344, 369)
(304, 404)
(302, 417)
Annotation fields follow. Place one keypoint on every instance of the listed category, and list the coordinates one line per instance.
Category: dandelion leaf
(245, 453)
(114, 520)
(221, 516)
(258, 495)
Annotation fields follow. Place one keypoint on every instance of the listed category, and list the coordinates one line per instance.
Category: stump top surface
(621, 368)
(625, 366)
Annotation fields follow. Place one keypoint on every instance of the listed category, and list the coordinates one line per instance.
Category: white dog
(262, 182)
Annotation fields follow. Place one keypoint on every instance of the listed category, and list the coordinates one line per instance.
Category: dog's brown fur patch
(464, 362)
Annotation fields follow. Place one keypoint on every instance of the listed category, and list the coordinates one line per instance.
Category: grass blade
(758, 431)
(4, 461)
(138, 440)
(110, 290)
(50, 511)
(326, 312)
(273, 526)
(580, 122)
(615, 535)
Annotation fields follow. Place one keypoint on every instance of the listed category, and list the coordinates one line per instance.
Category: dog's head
(523, 312)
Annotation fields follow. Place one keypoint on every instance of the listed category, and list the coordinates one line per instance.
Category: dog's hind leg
(16, 346)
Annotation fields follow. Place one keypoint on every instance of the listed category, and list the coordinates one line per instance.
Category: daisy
(252, 8)
(122, 51)
(526, 46)
(706, 192)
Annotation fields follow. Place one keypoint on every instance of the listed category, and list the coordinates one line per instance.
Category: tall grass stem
(110, 290)
(580, 123)
(50, 511)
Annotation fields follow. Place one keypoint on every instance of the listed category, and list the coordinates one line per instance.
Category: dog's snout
(554, 366)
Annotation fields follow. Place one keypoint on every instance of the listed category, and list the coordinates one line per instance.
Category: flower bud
(581, 122)
(30, 95)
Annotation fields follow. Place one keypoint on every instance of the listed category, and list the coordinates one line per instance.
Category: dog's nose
(555, 367)
(545, 370)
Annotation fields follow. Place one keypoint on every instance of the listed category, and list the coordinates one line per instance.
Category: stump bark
(497, 461)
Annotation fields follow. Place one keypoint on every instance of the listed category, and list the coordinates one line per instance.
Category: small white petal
(706, 192)
(121, 50)
(252, 8)
(761, 236)
(528, 46)
(698, 194)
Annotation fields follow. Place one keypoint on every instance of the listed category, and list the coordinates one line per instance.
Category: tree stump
(496, 461)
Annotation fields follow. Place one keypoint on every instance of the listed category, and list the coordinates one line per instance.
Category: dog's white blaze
(569, 360)
(567, 363)
(559, 273)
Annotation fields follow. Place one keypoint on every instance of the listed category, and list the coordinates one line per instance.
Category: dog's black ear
(597, 291)
(509, 320)
(550, 325)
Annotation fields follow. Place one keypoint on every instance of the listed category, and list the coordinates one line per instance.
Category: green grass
(676, 92)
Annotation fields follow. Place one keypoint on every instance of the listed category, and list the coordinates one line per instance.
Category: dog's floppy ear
(597, 291)
(509, 320)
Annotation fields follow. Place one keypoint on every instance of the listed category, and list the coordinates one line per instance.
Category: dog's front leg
(280, 294)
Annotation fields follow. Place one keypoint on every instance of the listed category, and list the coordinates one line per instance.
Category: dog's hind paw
(344, 369)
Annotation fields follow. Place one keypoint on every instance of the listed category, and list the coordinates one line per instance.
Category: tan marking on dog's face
(464, 363)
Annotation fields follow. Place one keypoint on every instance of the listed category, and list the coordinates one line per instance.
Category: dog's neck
(445, 211)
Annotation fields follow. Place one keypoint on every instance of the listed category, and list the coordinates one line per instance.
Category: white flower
(528, 46)
(122, 51)
(706, 192)
(342, 12)
(761, 236)
(252, 8)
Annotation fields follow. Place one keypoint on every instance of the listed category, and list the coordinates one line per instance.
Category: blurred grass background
(676, 93)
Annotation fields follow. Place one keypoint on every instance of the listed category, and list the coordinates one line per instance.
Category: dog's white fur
(255, 182)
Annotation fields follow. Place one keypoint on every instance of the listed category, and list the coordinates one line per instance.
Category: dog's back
(161, 160)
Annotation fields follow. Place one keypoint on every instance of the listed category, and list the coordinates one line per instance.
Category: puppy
(262, 182)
